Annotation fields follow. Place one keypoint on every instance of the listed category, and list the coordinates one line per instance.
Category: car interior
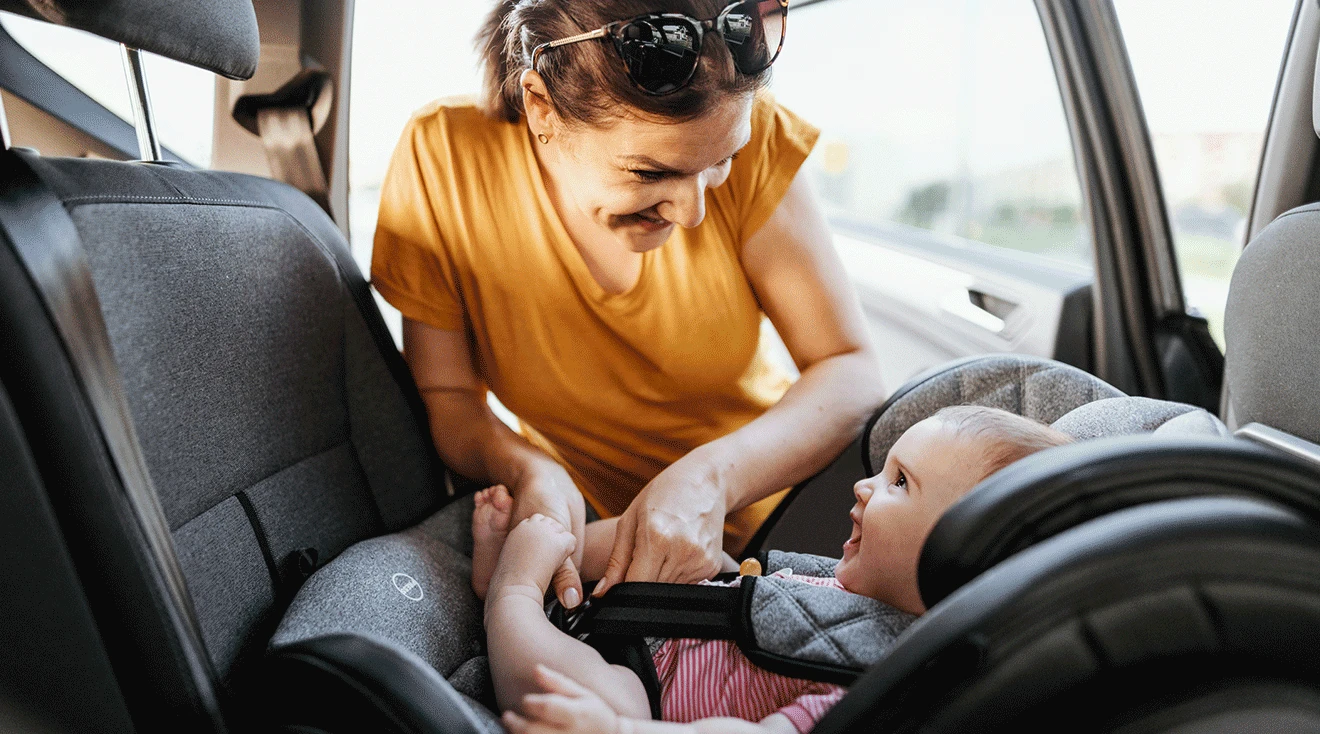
(222, 510)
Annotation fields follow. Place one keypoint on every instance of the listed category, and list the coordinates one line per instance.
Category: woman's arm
(478, 445)
(672, 531)
(802, 286)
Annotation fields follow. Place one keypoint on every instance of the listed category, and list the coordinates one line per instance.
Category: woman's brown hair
(587, 81)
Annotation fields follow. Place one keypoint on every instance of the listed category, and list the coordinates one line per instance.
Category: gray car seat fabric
(1035, 387)
(411, 588)
(1069, 399)
(255, 368)
(1272, 327)
(217, 35)
(822, 625)
(1130, 415)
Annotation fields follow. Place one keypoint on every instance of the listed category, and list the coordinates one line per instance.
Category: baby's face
(928, 469)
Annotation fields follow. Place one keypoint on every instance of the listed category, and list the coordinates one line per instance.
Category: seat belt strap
(287, 121)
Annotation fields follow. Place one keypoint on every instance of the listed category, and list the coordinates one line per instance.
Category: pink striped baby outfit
(700, 679)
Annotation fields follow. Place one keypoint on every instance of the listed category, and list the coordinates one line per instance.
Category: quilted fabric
(1032, 386)
(820, 624)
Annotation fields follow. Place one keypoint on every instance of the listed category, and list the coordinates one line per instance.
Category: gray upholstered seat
(1073, 401)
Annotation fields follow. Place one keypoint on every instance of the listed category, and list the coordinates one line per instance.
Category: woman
(596, 243)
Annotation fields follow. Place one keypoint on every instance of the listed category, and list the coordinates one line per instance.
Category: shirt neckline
(567, 249)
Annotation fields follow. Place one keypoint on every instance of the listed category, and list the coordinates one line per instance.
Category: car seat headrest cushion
(1131, 415)
(216, 35)
(1272, 327)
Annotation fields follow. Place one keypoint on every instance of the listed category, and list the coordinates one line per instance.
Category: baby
(547, 681)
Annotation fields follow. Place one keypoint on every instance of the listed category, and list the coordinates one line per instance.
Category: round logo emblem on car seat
(408, 586)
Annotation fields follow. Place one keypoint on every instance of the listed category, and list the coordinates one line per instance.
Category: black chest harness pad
(787, 627)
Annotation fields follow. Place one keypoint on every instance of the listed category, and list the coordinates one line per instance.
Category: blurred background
(937, 115)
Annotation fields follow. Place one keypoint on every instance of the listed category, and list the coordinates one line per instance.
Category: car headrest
(1272, 327)
(216, 35)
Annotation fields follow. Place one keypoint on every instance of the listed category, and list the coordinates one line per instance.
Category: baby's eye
(901, 481)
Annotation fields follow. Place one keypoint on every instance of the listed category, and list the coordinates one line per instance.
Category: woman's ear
(541, 117)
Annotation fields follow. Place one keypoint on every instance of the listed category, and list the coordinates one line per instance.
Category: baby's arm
(569, 707)
(599, 543)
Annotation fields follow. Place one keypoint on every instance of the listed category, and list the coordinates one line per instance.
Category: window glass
(406, 53)
(943, 115)
(1206, 70)
(182, 96)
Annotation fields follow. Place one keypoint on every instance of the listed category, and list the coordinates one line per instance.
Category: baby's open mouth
(855, 539)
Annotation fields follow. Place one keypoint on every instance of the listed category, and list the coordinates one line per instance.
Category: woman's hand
(547, 489)
(564, 707)
(673, 531)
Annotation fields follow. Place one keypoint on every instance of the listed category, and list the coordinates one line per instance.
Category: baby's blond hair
(1006, 436)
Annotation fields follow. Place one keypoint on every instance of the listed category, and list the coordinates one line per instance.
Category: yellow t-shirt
(615, 387)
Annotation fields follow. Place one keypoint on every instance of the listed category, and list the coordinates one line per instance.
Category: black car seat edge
(1129, 610)
(55, 674)
(53, 320)
(1050, 492)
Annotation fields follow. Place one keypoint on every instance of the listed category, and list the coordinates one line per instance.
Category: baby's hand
(565, 707)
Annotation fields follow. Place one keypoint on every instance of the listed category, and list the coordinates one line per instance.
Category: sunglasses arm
(536, 52)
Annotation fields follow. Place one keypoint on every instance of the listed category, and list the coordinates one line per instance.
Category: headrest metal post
(4, 126)
(144, 121)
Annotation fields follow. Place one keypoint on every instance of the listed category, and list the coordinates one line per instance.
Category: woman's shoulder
(458, 124)
(775, 125)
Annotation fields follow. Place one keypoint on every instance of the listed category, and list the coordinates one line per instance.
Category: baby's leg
(490, 523)
(519, 635)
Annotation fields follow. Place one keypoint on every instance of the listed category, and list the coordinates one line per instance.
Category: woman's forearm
(816, 419)
(474, 442)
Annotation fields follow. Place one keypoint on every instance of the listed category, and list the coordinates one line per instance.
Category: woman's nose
(687, 204)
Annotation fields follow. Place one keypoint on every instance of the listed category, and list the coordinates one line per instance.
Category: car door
(993, 186)
(946, 166)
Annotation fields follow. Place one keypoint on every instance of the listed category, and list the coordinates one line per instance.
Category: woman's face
(636, 179)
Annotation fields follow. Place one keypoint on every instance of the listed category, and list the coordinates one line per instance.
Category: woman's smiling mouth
(647, 222)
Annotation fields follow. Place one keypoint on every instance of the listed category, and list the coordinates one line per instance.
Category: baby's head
(930, 467)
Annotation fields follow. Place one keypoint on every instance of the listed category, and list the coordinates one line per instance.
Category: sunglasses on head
(661, 50)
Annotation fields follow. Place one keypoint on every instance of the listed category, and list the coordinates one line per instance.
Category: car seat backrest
(1272, 327)
(274, 431)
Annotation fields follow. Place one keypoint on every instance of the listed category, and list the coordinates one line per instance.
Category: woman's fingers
(648, 555)
(567, 584)
(621, 554)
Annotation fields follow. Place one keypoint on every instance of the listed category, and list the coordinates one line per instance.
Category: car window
(398, 67)
(1206, 71)
(182, 96)
(943, 115)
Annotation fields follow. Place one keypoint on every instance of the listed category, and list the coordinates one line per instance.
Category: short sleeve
(810, 707)
(763, 171)
(412, 263)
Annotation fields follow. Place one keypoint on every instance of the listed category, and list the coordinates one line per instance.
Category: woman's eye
(647, 176)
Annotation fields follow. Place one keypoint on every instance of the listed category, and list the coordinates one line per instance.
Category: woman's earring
(543, 138)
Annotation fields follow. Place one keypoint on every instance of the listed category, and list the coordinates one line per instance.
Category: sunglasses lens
(660, 53)
(753, 32)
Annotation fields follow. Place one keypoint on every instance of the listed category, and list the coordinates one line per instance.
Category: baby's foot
(533, 551)
(490, 524)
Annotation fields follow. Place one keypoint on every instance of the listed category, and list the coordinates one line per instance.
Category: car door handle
(979, 308)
